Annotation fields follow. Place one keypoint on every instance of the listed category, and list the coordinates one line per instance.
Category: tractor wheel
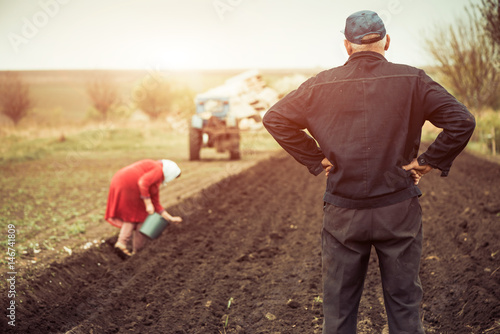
(234, 155)
(234, 152)
(195, 137)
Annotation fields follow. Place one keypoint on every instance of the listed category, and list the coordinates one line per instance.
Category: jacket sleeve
(155, 198)
(445, 112)
(286, 122)
(148, 179)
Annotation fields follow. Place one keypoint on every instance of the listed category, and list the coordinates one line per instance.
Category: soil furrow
(247, 260)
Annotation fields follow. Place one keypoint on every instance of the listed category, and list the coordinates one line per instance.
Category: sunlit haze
(204, 34)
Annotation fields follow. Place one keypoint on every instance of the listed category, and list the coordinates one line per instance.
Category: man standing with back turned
(367, 118)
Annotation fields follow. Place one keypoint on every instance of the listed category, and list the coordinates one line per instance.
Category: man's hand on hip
(417, 171)
(327, 166)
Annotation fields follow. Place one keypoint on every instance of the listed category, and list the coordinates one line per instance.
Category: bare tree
(103, 93)
(466, 58)
(153, 96)
(15, 100)
(490, 11)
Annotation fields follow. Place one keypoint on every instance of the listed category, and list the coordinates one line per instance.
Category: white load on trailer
(247, 93)
(223, 111)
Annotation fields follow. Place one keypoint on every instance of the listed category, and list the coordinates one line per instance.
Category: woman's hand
(176, 219)
(150, 209)
(170, 218)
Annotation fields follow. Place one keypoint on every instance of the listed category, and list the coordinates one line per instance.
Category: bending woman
(133, 195)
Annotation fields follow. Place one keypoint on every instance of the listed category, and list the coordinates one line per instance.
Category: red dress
(129, 186)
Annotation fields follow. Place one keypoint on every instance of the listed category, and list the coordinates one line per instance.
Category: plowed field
(247, 260)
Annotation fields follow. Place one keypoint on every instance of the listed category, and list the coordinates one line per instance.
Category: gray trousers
(395, 232)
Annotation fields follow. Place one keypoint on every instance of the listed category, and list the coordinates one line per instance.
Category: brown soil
(197, 175)
(247, 260)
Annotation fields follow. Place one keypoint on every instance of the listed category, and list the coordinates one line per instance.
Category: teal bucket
(153, 226)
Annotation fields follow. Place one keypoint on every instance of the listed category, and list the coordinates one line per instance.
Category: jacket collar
(365, 55)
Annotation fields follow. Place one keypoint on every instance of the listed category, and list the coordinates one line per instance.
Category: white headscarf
(170, 170)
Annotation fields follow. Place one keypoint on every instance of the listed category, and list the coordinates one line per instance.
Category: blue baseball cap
(363, 23)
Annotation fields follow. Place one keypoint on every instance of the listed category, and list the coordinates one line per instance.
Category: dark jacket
(367, 117)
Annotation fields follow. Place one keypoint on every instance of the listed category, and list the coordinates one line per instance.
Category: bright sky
(204, 34)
